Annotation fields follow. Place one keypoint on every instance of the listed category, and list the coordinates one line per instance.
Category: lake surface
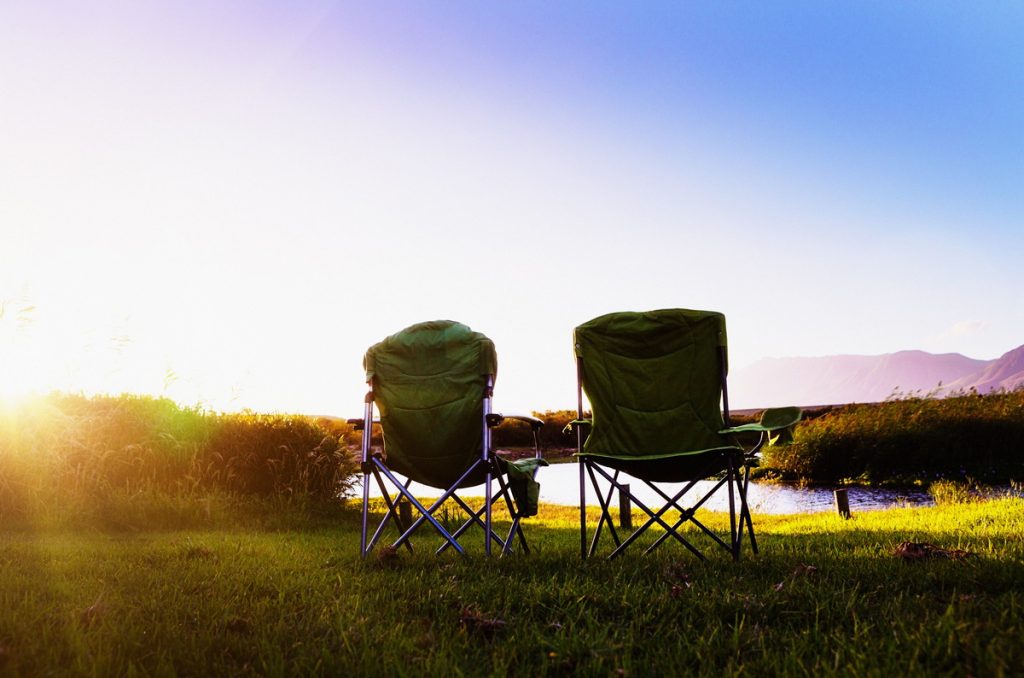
(560, 484)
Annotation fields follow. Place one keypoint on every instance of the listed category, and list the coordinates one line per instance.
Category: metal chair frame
(738, 483)
(374, 464)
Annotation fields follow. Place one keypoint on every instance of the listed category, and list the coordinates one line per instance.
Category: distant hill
(1006, 372)
(841, 379)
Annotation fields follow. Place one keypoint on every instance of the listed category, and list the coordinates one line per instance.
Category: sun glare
(39, 356)
(17, 377)
(56, 348)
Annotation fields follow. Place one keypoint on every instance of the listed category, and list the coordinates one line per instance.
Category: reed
(141, 460)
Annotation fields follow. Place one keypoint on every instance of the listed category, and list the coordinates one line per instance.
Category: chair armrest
(534, 422)
(781, 419)
(526, 465)
(772, 419)
(757, 428)
(775, 418)
(577, 422)
(493, 419)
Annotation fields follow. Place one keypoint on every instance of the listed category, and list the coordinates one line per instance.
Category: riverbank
(824, 596)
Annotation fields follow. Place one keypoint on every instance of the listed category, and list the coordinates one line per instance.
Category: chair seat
(439, 472)
(446, 474)
(672, 469)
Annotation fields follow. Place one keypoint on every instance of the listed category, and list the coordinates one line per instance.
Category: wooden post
(404, 514)
(842, 503)
(625, 509)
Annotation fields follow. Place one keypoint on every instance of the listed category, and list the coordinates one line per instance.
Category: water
(560, 484)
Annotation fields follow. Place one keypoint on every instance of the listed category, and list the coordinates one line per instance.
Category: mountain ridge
(1005, 372)
(839, 379)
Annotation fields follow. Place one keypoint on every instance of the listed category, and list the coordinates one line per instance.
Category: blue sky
(228, 202)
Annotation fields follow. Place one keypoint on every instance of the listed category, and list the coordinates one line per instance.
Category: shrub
(277, 455)
(79, 457)
(915, 438)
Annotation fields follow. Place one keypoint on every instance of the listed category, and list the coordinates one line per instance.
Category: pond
(560, 484)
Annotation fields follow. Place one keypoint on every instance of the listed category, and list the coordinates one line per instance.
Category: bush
(910, 439)
(73, 457)
(278, 455)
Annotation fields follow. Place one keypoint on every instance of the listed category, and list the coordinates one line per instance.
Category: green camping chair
(656, 382)
(432, 385)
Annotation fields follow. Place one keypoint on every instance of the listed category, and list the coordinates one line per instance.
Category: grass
(139, 538)
(824, 596)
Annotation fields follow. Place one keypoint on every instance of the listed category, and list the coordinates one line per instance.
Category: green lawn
(824, 596)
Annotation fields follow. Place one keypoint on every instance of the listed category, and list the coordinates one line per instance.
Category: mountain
(1006, 372)
(832, 380)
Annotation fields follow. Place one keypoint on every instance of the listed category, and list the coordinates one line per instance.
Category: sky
(226, 203)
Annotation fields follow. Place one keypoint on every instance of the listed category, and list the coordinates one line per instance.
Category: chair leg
(392, 513)
(504, 491)
(366, 511)
(583, 510)
(514, 531)
(487, 513)
(605, 503)
(745, 510)
(425, 514)
(474, 518)
(686, 514)
(732, 509)
(689, 514)
(655, 517)
(483, 517)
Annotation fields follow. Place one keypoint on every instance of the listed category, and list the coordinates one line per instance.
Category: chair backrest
(428, 383)
(654, 381)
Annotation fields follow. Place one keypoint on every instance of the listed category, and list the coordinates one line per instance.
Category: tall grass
(68, 458)
(910, 439)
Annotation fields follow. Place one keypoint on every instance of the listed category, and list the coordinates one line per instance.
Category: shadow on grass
(806, 602)
(822, 596)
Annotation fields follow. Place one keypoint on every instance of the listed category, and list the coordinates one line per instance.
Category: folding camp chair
(432, 385)
(656, 382)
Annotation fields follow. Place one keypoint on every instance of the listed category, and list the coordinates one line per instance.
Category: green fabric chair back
(654, 381)
(428, 383)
